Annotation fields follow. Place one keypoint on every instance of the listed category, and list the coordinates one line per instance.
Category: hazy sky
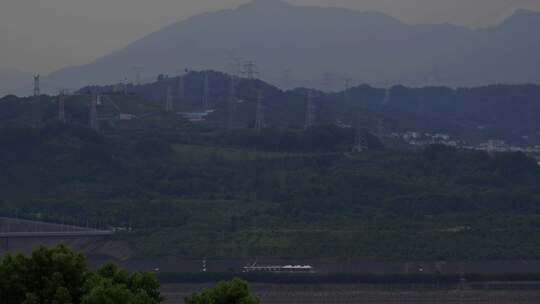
(44, 35)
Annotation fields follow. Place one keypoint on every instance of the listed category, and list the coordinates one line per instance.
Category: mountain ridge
(370, 47)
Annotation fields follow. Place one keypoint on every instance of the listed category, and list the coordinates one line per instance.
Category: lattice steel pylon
(250, 69)
(361, 135)
(61, 108)
(169, 107)
(181, 87)
(387, 98)
(259, 113)
(232, 103)
(310, 112)
(206, 91)
(37, 89)
(94, 123)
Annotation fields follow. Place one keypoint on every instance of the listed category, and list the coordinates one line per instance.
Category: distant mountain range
(320, 47)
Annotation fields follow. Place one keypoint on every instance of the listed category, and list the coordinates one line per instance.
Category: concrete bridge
(19, 235)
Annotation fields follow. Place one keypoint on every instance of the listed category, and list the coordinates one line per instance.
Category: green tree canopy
(233, 292)
(60, 276)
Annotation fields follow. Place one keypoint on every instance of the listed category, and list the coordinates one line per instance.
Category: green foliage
(60, 276)
(193, 191)
(54, 275)
(232, 292)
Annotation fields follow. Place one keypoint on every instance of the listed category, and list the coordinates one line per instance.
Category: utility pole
(310, 112)
(169, 100)
(259, 114)
(37, 90)
(94, 124)
(61, 107)
(206, 91)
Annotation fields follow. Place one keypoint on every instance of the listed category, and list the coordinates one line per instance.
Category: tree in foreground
(60, 276)
(233, 292)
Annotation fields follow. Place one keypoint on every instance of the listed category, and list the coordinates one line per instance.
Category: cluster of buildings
(493, 145)
(425, 139)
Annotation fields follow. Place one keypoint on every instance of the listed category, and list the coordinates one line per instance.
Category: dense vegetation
(232, 292)
(61, 276)
(473, 114)
(196, 191)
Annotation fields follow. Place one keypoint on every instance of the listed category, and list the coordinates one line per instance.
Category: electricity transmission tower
(250, 69)
(94, 123)
(259, 113)
(348, 93)
(347, 82)
(169, 100)
(387, 98)
(361, 140)
(232, 102)
(286, 78)
(181, 86)
(61, 108)
(310, 112)
(37, 90)
(206, 91)
(234, 65)
(380, 129)
(137, 70)
(125, 86)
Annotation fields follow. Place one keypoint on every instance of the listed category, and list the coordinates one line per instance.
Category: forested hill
(194, 191)
(507, 112)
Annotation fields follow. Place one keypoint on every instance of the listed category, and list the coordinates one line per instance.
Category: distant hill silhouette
(507, 112)
(296, 46)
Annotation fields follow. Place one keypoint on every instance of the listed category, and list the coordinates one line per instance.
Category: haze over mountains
(14, 82)
(318, 47)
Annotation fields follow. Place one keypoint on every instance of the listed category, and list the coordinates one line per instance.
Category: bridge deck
(55, 234)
